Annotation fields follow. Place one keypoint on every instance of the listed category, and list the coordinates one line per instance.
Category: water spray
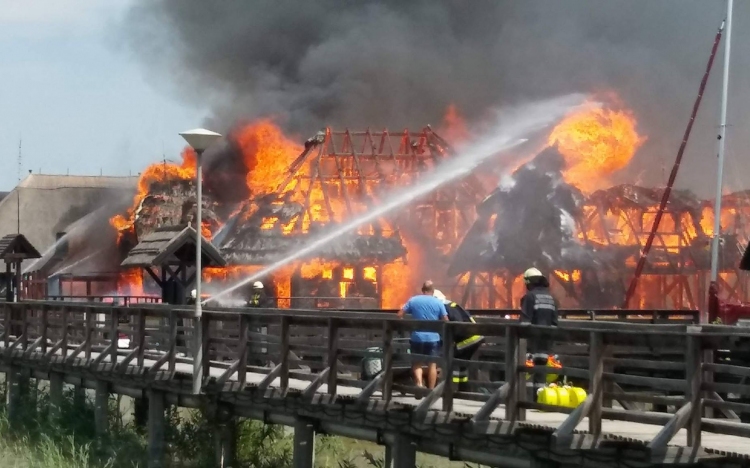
(512, 129)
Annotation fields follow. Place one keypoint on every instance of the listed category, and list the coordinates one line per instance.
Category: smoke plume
(396, 63)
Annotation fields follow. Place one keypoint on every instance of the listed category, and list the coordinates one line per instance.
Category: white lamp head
(200, 138)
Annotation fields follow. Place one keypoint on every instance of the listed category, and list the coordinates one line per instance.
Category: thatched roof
(51, 203)
(170, 245)
(16, 247)
(263, 247)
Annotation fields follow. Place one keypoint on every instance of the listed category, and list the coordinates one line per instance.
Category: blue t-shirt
(424, 307)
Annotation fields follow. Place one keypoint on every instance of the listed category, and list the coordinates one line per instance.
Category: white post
(721, 141)
(197, 326)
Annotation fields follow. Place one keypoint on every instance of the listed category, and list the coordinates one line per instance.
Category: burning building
(290, 193)
(266, 195)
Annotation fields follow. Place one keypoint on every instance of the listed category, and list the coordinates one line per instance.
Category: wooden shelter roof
(17, 247)
(169, 245)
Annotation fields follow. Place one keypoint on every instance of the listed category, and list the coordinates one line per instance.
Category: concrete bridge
(666, 394)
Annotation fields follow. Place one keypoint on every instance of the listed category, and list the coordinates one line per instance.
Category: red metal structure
(673, 174)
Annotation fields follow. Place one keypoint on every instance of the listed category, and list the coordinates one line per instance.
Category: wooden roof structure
(171, 245)
(15, 247)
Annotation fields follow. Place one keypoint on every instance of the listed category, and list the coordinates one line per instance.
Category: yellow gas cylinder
(577, 395)
(547, 396)
(563, 397)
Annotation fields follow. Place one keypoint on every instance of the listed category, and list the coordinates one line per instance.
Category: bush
(68, 439)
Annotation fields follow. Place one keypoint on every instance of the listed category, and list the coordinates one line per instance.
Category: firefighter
(258, 298)
(538, 307)
(466, 345)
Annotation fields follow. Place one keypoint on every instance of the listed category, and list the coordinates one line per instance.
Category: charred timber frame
(311, 350)
(360, 166)
(675, 275)
(355, 163)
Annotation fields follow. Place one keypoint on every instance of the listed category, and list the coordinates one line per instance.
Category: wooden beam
(374, 385)
(430, 399)
(660, 441)
(694, 382)
(313, 387)
(332, 354)
(596, 387)
(563, 435)
(269, 378)
(497, 397)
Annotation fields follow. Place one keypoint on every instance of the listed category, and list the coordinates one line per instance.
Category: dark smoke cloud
(399, 63)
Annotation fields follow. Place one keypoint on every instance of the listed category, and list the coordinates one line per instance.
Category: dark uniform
(466, 344)
(539, 307)
(259, 299)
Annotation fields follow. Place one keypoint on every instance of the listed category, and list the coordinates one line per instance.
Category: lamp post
(199, 139)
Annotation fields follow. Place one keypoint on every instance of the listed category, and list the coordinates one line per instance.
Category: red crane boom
(673, 174)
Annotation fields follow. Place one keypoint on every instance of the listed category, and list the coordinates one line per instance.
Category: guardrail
(684, 374)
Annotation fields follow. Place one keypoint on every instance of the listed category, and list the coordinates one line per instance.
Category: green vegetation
(42, 439)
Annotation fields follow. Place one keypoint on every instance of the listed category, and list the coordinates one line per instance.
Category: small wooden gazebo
(168, 255)
(14, 249)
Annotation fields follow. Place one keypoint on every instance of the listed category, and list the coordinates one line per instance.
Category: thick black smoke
(398, 63)
(531, 220)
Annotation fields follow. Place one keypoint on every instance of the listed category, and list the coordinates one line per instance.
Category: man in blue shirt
(425, 307)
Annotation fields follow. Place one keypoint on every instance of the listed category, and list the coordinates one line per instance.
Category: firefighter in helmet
(193, 297)
(539, 307)
(258, 297)
(466, 344)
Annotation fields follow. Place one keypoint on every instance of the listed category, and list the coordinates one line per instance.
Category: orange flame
(454, 128)
(596, 142)
(158, 172)
(267, 154)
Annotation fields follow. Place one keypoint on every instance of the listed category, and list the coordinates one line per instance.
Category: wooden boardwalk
(301, 368)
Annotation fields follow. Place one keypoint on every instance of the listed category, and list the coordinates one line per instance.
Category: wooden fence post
(140, 336)
(172, 341)
(284, 374)
(244, 350)
(596, 387)
(387, 360)
(523, 394)
(694, 381)
(114, 327)
(333, 355)
(448, 350)
(43, 331)
(512, 377)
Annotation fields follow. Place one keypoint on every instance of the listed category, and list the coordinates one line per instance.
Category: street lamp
(199, 139)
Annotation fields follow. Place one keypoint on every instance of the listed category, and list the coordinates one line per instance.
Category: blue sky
(77, 96)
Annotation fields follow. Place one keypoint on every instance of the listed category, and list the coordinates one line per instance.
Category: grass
(68, 440)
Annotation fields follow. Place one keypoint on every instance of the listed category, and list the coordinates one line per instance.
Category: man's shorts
(429, 348)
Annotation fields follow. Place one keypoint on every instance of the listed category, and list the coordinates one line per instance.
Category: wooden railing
(118, 300)
(672, 375)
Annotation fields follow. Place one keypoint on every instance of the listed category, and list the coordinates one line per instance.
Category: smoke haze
(391, 63)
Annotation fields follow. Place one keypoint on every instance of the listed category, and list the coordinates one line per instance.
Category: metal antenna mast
(18, 188)
(722, 143)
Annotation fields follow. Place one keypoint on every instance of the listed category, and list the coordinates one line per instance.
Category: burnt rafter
(341, 174)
